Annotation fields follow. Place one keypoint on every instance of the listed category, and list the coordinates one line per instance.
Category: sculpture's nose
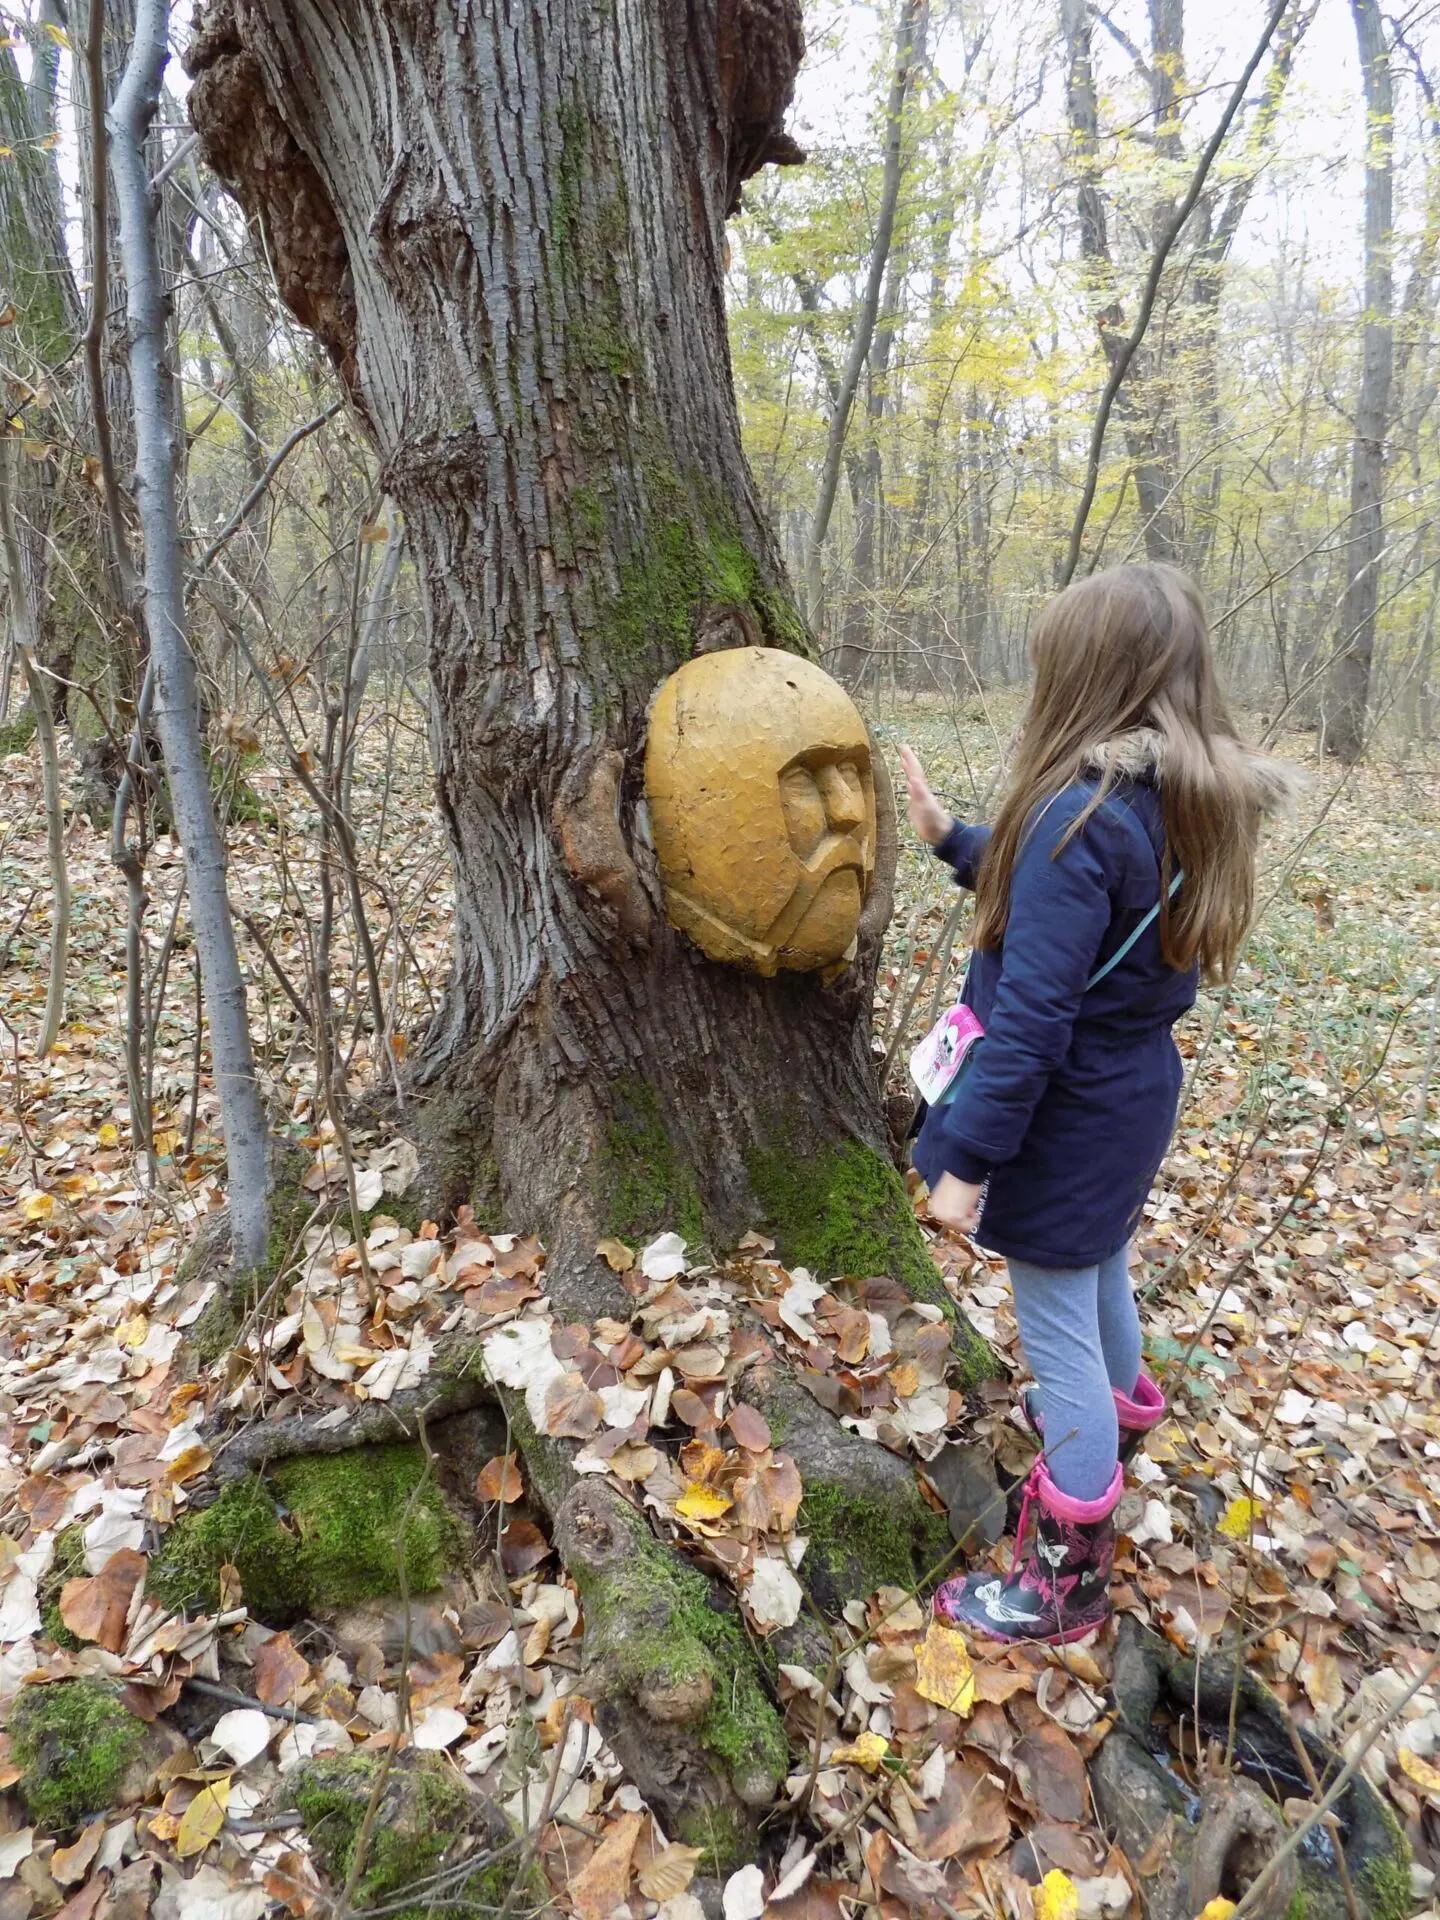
(843, 796)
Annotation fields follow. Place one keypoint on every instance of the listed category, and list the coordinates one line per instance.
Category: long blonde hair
(1125, 650)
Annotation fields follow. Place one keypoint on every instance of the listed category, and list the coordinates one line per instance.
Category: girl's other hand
(955, 1203)
(929, 819)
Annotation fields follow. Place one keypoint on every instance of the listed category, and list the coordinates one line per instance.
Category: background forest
(1057, 285)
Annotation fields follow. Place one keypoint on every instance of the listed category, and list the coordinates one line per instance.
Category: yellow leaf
(58, 35)
(1217, 1909)
(38, 1206)
(702, 1503)
(943, 1672)
(133, 1332)
(616, 1255)
(868, 1752)
(1056, 1898)
(1240, 1518)
(167, 1141)
(1426, 1777)
(202, 1820)
(109, 1135)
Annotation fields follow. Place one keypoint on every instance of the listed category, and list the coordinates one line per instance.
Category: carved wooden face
(762, 809)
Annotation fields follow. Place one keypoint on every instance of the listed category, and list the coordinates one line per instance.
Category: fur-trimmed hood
(1275, 784)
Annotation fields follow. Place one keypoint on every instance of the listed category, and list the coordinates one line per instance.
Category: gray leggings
(1081, 1335)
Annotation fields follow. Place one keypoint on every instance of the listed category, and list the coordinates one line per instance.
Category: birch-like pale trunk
(177, 704)
(912, 16)
(1349, 701)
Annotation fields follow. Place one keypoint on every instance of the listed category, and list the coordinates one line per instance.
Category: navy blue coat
(1070, 1104)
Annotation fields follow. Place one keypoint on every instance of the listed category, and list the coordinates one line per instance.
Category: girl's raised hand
(929, 819)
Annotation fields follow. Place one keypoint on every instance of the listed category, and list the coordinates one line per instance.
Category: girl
(1121, 866)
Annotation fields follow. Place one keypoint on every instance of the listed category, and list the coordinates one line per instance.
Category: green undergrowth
(319, 1531)
(74, 1743)
(423, 1814)
(16, 735)
(647, 1186)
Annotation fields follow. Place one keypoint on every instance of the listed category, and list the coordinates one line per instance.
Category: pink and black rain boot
(1137, 1413)
(1060, 1590)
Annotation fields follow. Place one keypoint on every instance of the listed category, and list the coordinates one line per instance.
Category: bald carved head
(762, 809)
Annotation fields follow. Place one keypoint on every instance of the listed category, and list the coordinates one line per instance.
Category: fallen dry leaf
(98, 1608)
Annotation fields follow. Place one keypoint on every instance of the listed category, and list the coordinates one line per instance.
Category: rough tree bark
(1344, 724)
(507, 227)
(510, 236)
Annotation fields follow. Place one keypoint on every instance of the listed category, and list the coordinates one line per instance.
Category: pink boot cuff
(1080, 1512)
(1144, 1409)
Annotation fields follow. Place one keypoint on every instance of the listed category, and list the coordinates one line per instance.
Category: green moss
(74, 1743)
(1297, 1906)
(647, 1187)
(666, 578)
(68, 1564)
(657, 1626)
(243, 1530)
(422, 1814)
(857, 1544)
(218, 1328)
(1385, 1879)
(844, 1211)
(17, 735)
(325, 1536)
(724, 1844)
(348, 1509)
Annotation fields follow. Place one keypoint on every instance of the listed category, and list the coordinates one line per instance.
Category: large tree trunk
(509, 232)
(527, 307)
(1344, 724)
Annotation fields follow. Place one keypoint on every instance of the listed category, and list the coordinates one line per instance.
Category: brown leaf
(816, 1900)
(998, 1684)
(292, 1882)
(43, 1498)
(968, 1816)
(499, 1479)
(1052, 1774)
(98, 1608)
(280, 1671)
(691, 1408)
(80, 1906)
(1068, 1848)
(604, 1883)
(131, 1892)
(69, 1865)
(572, 1411)
(522, 1547)
(750, 1428)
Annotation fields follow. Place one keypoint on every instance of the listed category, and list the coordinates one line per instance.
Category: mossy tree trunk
(509, 230)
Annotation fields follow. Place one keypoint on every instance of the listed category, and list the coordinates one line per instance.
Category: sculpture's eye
(804, 810)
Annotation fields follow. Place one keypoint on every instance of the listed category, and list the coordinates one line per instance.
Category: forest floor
(1289, 1271)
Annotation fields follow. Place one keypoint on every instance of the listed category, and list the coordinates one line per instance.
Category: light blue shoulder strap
(1121, 952)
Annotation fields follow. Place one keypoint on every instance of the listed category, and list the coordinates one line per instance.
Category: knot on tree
(588, 823)
(759, 47)
(255, 154)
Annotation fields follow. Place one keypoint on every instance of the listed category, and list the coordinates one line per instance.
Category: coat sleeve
(1060, 909)
(962, 849)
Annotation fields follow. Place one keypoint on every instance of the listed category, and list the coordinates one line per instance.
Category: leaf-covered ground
(1290, 1272)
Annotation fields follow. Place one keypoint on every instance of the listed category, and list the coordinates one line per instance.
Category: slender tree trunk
(177, 704)
(1344, 724)
(907, 33)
